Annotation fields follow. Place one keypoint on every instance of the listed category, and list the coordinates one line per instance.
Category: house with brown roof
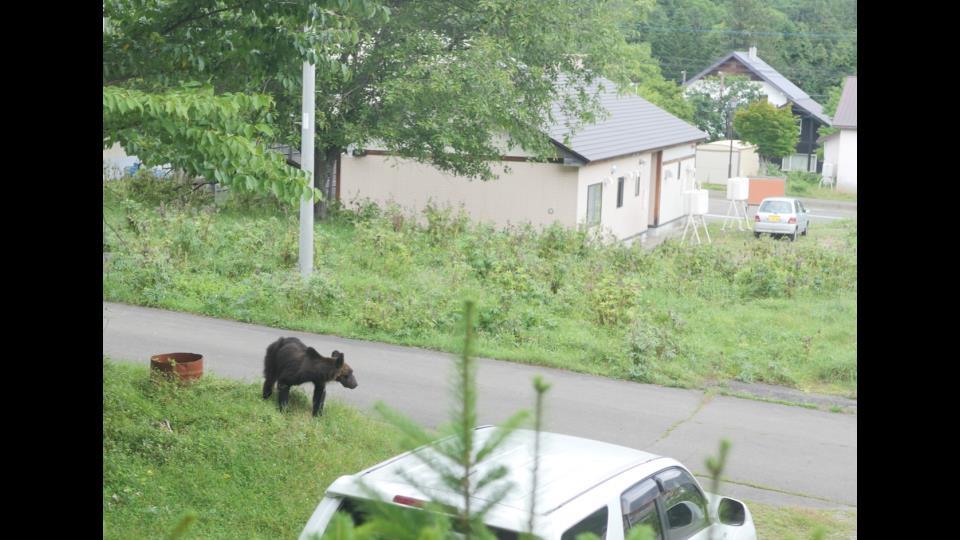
(840, 148)
(623, 174)
(779, 92)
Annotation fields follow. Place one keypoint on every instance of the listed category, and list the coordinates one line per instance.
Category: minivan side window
(684, 504)
(639, 507)
(595, 523)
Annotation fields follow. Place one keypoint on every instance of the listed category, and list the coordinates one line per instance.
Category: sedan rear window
(777, 207)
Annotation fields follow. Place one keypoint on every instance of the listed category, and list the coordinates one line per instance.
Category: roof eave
(650, 149)
(760, 74)
(827, 137)
(821, 117)
(709, 69)
(571, 154)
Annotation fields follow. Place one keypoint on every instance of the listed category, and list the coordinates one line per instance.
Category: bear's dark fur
(289, 362)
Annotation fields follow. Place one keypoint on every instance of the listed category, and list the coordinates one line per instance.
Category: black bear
(289, 362)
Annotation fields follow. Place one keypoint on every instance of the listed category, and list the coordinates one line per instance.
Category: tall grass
(753, 310)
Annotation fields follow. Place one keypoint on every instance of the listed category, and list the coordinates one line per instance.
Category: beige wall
(637, 211)
(713, 162)
(114, 152)
(539, 193)
(671, 190)
(631, 218)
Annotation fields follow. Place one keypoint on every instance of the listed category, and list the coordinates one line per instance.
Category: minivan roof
(788, 199)
(568, 467)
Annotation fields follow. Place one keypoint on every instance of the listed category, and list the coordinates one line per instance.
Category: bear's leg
(319, 395)
(268, 388)
(283, 395)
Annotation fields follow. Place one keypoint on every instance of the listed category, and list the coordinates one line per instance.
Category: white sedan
(781, 215)
(582, 486)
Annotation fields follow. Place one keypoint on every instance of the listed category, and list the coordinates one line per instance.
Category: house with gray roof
(780, 92)
(622, 174)
(840, 147)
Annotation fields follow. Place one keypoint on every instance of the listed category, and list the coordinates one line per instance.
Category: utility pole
(730, 160)
(306, 164)
(726, 117)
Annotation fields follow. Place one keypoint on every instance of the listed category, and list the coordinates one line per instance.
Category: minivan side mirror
(731, 512)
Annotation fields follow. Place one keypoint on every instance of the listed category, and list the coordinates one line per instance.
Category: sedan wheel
(795, 235)
(805, 229)
(756, 235)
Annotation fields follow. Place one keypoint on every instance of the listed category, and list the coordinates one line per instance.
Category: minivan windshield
(776, 207)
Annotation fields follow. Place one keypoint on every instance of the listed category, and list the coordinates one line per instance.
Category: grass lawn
(218, 450)
(745, 309)
(786, 523)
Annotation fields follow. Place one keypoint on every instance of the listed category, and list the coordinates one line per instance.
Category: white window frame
(598, 202)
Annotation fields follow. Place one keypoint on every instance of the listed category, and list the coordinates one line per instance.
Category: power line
(819, 72)
(675, 29)
(683, 62)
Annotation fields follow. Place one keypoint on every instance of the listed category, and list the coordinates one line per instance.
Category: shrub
(763, 277)
(653, 340)
(442, 224)
(612, 299)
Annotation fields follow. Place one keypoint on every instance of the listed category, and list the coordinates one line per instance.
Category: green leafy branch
(218, 137)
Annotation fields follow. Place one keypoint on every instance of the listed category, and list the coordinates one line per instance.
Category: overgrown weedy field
(745, 309)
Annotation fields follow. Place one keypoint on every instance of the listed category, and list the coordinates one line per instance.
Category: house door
(655, 180)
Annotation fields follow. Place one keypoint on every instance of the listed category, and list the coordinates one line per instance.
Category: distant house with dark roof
(840, 148)
(779, 91)
(625, 173)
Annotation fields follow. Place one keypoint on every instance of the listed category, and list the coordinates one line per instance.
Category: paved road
(821, 211)
(780, 454)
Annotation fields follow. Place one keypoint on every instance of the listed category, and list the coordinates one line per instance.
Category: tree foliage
(436, 81)
(220, 137)
(774, 131)
(637, 69)
(830, 109)
(682, 37)
(811, 42)
(238, 48)
(714, 104)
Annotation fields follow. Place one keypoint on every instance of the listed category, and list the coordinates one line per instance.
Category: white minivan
(583, 486)
(781, 216)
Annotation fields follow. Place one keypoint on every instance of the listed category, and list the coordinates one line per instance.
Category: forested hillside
(811, 42)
